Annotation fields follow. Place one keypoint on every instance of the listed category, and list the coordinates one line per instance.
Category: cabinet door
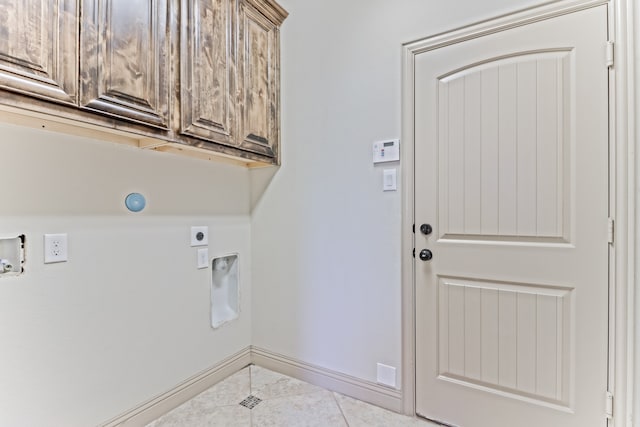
(208, 69)
(125, 59)
(38, 48)
(259, 66)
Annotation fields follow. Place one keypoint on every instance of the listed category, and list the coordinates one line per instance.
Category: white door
(511, 173)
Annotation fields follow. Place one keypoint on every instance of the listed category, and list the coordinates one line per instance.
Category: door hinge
(414, 229)
(610, 230)
(414, 252)
(609, 405)
(610, 54)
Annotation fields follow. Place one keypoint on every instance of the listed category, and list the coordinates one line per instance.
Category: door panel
(208, 66)
(505, 337)
(511, 157)
(501, 149)
(125, 59)
(38, 48)
(259, 61)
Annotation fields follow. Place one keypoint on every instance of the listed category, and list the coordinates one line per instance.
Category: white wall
(325, 238)
(127, 317)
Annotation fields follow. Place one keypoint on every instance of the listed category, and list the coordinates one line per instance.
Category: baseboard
(366, 391)
(160, 405)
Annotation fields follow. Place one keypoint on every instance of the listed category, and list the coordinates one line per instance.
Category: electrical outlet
(55, 248)
(199, 236)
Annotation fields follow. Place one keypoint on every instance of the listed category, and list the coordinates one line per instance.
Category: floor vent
(251, 402)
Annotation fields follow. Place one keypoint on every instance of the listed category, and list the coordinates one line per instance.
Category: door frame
(622, 177)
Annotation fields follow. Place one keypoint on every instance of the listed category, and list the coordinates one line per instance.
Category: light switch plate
(203, 258)
(200, 236)
(389, 180)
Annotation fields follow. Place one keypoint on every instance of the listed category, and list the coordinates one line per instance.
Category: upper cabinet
(259, 71)
(124, 59)
(208, 70)
(188, 76)
(39, 48)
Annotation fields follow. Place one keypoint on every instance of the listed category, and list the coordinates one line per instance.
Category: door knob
(426, 229)
(426, 255)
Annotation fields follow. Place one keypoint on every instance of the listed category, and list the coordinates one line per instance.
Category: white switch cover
(386, 375)
(200, 236)
(55, 248)
(389, 180)
(203, 258)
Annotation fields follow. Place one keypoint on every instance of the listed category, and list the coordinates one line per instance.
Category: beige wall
(326, 239)
(127, 317)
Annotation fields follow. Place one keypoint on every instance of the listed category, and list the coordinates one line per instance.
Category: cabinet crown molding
(270, 9)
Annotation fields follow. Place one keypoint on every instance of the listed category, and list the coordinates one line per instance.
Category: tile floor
(278, 400)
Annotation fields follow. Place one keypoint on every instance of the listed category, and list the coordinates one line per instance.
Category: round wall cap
(135, 202)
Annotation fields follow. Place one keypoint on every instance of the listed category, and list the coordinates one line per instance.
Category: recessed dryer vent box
(225, 290)
(11, 256)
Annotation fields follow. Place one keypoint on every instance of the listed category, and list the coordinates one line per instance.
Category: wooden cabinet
(192, 76)
(38, 48)
(259, 71)
(208, 70)
(124, 59)
(230, 85)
